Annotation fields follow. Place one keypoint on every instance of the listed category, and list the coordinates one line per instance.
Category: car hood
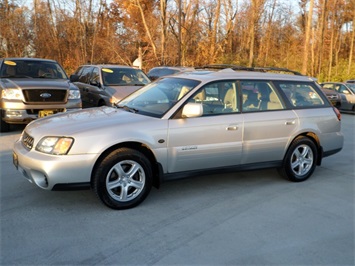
(35, 83)
(329, 92)
(122, 91)
(91, 121)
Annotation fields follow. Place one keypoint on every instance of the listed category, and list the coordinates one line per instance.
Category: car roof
(109, 66)
(172, 67)
(28, 59)
(232, 74)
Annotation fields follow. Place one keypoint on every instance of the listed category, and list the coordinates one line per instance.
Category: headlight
(74, 94)
(11, 94)
(113, 100)
(55, 145)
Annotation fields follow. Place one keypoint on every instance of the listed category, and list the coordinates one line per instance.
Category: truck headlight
(55, 145)
(11, 94)
(74, 94)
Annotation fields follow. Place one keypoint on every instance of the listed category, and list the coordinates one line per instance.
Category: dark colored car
(346, 92)
(333, 96)
(107, 84)
(157, 72)
(31, 88)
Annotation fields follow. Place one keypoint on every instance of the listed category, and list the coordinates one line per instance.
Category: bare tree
(307, 38)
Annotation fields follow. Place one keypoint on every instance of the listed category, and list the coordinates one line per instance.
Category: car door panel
(267, 134)
(204, 142)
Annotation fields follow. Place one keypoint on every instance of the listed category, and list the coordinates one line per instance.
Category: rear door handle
(290, 123)
(232, 127)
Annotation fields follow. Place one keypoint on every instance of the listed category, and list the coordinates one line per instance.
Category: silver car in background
(182, 125)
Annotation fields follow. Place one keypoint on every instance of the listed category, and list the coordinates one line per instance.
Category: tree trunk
(307, 40)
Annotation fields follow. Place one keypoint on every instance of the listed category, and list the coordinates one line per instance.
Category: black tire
(300, 160)
(116, 185)
(4, 127)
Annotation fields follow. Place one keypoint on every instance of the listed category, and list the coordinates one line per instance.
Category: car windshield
(124, 77)
(32, 69)
(352, 87)
(157, 98)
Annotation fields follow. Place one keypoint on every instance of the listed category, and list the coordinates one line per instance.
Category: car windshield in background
(32, 69)
(123, 77)
(351, 86)
(157, 98)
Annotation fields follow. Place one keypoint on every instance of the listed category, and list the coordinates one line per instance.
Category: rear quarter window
(302, 94)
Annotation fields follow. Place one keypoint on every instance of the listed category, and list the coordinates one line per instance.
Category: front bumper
(25, 117)
(46, 170)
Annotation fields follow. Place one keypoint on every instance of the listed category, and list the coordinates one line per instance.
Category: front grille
(40, 96)
(27, 141)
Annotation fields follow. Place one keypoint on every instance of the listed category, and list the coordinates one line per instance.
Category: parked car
(179, 126)
(333, 96)
(107, 84)
(157, 72)
(31, 88)
(346, 91)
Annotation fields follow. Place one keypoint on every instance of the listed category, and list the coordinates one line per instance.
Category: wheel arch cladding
(140, 147)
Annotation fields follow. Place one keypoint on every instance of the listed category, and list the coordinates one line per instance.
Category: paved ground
(245, 218)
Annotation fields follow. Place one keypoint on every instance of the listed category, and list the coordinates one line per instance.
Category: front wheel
(300, 160)
(123, 179)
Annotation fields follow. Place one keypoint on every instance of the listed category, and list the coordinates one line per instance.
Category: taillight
(337, 112)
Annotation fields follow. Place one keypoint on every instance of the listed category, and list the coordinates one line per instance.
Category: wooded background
(315, 37)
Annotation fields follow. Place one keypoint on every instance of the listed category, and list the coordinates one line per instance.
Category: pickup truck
(32, 88)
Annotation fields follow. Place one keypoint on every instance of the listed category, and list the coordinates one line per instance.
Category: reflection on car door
(205, 142)
(266, 135)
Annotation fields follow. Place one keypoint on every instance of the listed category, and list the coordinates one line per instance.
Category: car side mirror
(345, 91)
(74, 78)
(192, 110)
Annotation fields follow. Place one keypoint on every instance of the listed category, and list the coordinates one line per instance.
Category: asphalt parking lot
(244, 218)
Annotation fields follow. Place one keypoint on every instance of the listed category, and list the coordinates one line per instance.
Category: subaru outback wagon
(192, 123)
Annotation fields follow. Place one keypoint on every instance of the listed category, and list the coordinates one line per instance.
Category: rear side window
(302, 94)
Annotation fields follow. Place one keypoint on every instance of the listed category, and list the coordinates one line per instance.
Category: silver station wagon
(193, 123)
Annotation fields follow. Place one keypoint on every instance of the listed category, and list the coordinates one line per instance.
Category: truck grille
(40, 96)
(27, 141)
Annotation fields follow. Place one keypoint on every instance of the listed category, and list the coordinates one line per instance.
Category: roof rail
(257, 69)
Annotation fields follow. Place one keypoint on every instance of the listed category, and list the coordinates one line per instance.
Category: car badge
(45, 95)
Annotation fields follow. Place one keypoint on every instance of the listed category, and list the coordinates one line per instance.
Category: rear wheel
(123, 179)
(300, 160)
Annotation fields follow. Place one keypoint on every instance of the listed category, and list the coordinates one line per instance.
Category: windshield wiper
(127, 108)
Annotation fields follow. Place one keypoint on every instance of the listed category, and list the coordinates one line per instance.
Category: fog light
(13, 113)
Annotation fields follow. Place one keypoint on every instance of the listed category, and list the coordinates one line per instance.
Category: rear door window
(260, 96)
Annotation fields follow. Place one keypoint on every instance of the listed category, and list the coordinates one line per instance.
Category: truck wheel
(300, 160)
(123, 179)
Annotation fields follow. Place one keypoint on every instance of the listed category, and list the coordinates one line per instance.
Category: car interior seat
(201, 96)
(230, 100)
(183, 91)
(274, 102)
(264, 95)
